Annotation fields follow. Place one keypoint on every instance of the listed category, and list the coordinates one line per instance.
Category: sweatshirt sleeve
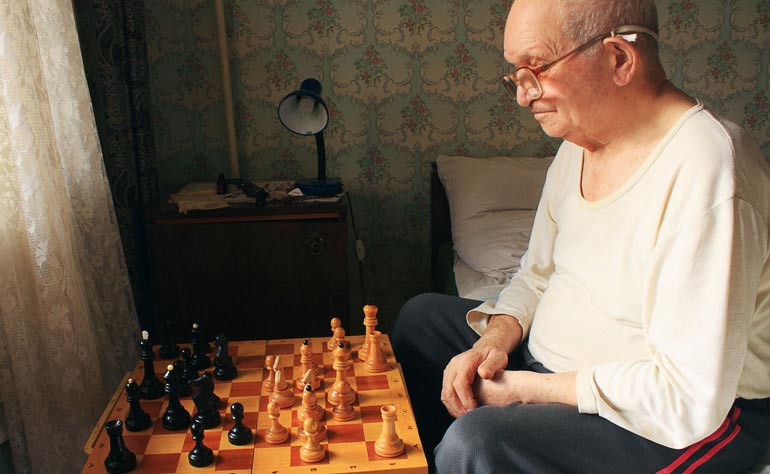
(697, 307)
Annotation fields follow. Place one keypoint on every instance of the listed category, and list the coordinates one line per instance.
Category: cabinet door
(250, 280)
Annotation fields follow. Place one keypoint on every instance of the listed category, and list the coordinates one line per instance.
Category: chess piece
(224, 369)
(341, 387)
(168, 349)
(183, 388)
(137, 419)
(189, 372)
(339, 337)
(282, 392)
(344, 411)
(119, 460)
(309, 378)
(307, 363)
(150, 388)
(388, 445)
(276, 433)
(311, 409)
(239, 434)
(200, 348)
(331, 344)
(200, 455)
(370, 322)
(206, 402)
(269, 382)
(375, 362)
(311, 451)
(176, 417)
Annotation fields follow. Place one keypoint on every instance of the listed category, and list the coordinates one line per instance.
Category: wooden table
(349, 445)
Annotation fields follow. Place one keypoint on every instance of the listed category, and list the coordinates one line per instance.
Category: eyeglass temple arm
(622, 30)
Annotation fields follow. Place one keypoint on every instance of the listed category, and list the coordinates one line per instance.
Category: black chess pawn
(137, 419)
(189, 372)
(206, 401)
(176, 417)
(183, 388)
(168, 349)
(200, 455)
(120, 459)
(150, 388)
(239, 434)
(200, 348)
(224, 369)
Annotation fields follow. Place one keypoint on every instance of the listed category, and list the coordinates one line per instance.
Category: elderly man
(635, 338)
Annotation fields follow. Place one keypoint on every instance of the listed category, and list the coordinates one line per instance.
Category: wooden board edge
(99, 426)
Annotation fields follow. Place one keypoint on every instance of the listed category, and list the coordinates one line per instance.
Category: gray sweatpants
(544, 438)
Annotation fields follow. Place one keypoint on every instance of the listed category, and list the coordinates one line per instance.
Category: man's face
(571, 88)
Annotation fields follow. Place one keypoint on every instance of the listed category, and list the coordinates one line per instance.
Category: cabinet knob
(315, 244)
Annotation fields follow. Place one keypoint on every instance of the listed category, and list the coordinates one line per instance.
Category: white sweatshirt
(658, 295)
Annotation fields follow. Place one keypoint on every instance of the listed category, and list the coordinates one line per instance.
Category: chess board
(349, 445)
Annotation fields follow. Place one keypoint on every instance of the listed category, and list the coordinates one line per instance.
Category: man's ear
(624, 59)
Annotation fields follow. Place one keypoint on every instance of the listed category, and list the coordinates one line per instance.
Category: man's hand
(488, 356)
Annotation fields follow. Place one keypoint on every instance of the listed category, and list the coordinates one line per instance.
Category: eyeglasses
(526, 76)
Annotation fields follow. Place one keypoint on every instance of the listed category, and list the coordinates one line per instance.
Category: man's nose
(523, 96)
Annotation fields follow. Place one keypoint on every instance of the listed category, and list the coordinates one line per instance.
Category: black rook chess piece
(137, 419)
(168, 349)
(150, 388)
(239, 434)
(120, 459)
(176, 417)
(201, 455)
(224, 369)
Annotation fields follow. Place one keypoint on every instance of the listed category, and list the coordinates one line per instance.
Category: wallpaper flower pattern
(405, 80)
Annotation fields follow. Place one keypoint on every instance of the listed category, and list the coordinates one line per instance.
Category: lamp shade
(303, 111)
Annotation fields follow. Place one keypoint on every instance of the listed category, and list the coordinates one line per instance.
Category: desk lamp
(304, 112)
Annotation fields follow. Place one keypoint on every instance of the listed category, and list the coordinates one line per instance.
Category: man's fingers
(465, 395)
(494, 363)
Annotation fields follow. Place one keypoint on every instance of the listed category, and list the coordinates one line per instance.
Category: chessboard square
(159, 429)
(250, 362)
(296, 461)
(373, 456)
(350, 433)
(234, 459)
(153, 407)
(169, 443)
(137, 444)
(371, 414)
(250, 404)
(372, 431)
(372, 382)
(249, 375)
(280, 348)
(166, 462)
(245, 389)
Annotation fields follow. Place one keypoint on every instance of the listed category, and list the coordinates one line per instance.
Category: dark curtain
(114, 50)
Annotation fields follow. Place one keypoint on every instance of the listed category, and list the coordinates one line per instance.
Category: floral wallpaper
(405, 80)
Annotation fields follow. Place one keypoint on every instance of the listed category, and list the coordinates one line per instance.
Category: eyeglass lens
(527, 80)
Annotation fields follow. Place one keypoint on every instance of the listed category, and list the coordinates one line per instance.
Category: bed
(481, 216)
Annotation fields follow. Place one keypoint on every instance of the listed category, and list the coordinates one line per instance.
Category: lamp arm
(321, 148)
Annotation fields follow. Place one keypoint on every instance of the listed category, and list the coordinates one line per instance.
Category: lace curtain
(67, 320)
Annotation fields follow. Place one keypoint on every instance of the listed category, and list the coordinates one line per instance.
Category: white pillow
(491, 206)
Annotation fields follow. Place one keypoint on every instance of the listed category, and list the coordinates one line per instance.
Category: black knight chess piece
(224, 369)
(176, 417)
(150, 388)
(168, 349)
(239, 434)
(137, 419)
(206, 401)
(120, 459)
(183, 388)
(200, 455)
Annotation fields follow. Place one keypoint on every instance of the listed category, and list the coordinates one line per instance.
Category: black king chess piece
(201, 455)
(200, 348)
(137, 419)
(224, 369)
(176, 417)
(206, 401)
(150, 388)
(168, 349)
(239, 434)
(120, 459)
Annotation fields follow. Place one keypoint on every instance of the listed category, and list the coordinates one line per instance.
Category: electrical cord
(359, 249)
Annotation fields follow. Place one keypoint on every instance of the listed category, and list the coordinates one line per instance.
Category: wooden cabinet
(276, 271)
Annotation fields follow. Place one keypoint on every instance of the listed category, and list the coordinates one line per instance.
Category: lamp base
(315, 187)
